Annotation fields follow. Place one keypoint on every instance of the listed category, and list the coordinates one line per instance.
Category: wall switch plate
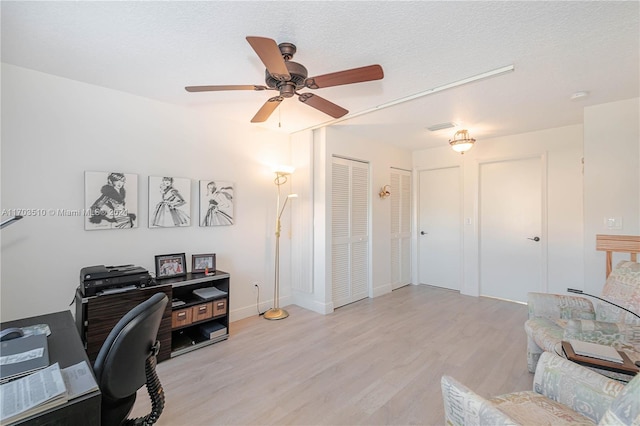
(613, 222)
(467, 221)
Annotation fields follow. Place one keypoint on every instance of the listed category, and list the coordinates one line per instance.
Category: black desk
(65, 348)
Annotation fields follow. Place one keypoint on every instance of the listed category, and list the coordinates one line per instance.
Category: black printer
(100, 278)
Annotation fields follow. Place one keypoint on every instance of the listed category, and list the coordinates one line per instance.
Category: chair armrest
(545, 305)
(462, 406)
(574, 386)
(620, 335)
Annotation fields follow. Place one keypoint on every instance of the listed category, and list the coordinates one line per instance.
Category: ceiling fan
(288, 77)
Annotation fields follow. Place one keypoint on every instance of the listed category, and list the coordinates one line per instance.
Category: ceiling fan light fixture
(461, 141)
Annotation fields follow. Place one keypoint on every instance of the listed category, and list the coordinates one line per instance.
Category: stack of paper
(32, 394)
(79, 380)
(594, 350)
(44, 389)
(207, 293)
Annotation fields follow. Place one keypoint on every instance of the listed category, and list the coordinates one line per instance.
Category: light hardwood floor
(374, 362)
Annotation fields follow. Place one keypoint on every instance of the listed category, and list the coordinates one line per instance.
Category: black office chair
(127, 360)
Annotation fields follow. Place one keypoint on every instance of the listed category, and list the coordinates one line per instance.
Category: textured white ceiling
(154, 49)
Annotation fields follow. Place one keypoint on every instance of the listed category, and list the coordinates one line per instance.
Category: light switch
(467, 221)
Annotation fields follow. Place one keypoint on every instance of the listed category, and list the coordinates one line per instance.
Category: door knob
(534, 238)
(423, 233)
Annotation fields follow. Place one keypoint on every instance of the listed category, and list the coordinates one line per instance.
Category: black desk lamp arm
(574, 290)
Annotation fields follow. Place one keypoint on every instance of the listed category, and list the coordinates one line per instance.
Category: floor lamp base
(276, 314)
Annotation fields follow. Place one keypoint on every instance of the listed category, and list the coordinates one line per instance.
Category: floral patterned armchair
(563, 393)
(554, 317)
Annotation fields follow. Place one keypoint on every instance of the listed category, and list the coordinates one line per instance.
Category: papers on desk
(78, 380)
(32, 394)
(43, 390)
(594, 350)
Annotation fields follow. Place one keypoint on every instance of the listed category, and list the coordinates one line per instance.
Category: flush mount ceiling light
(461, 141)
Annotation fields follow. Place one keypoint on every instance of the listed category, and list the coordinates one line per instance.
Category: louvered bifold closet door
(340, 257)
(400, 182)
(350, 231)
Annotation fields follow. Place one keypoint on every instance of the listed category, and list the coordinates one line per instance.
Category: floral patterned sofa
(563, 393)
(554, 317)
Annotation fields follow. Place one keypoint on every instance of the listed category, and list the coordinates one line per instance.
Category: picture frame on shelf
(171, 265)
(201, 263)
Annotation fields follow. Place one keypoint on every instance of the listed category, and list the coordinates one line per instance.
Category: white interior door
(350, 231)
(440, 228)
(400, 182)
(511, 194)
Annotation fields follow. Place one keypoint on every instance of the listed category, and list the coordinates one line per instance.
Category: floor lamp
(276, 312)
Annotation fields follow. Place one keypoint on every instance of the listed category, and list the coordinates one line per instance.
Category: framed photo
(202, 262)
(216, 203)
(171, 265)
(169, 202)
(111, 200)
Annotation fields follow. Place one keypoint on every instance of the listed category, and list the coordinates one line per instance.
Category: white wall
(54, 129)
(562, 148)
(611, 180)
(322, 145)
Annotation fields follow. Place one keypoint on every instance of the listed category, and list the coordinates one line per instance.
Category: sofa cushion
(622, 288)
(531, 408)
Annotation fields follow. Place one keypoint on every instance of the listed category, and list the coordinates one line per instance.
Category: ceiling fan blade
(220, 88)
(355, 75)
(265, 111)
(271, 57)
(321, 104)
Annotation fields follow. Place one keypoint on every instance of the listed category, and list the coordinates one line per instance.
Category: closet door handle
(534, 239)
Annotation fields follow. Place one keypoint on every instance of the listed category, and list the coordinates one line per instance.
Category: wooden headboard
(618, 244)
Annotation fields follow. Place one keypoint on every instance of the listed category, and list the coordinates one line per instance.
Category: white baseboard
(381, 290)
(313, 305)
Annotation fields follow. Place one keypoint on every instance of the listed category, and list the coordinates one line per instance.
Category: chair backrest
(120, 365)
(622, 288)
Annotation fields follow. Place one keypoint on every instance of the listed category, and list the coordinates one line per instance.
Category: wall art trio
(111, 200)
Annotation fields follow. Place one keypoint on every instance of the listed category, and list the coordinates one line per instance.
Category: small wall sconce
(385, 192)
